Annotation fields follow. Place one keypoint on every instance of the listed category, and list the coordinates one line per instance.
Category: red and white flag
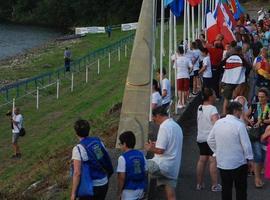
(212, 27)
(194, 2)
(222, 22)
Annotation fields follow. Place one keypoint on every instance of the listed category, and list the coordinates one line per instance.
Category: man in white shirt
(165, 165)
(230, 142)
(165, 87)
(17, 124)
(235, 68)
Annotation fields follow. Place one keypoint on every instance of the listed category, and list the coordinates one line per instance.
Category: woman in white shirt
(206, 70)
(206, 118)
(183, 68)
(156, 98)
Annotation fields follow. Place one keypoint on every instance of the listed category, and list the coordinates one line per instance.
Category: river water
(15, 39)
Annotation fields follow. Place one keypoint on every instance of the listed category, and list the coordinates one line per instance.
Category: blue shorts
(258, 152)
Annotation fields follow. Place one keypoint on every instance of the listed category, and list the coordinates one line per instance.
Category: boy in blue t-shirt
(131, 169)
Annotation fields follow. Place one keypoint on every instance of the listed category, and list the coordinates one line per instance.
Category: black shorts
(205, 149)
(228, 90)
(196, 73)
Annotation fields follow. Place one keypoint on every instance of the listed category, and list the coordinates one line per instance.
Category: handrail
(76, 64)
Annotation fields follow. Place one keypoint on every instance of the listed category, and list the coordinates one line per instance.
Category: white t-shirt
(76, 156)
(183, 66)
(170, 138)
(205, 125)
(196, 59)
(17, 118)
(208, 71)
(166, 85)
(156, 99)
(129, 194)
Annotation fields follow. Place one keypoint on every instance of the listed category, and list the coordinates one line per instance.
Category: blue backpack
(100, 161)
(135, 170)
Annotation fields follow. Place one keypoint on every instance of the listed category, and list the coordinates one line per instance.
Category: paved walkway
(187, 180)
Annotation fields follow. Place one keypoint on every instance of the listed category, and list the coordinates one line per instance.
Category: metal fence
(28, 86)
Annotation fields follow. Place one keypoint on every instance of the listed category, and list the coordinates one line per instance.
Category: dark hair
(155, 84)
(194, 45)
(206, 93)
(205, 50)
(160, 111)
(163, 71)
(199, 44)
(181, 49)
(128, 138)
(203, 35)
(82, 128)
(233, 44)
(233, 106)
(264, 90)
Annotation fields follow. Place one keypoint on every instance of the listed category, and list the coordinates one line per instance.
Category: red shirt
(216, 55)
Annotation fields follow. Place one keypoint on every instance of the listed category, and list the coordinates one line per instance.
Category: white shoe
(216, 188)
(180, 106)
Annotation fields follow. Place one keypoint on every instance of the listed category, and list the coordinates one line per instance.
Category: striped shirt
(234, 70)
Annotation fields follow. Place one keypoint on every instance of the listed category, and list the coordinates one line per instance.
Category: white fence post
(86, 74)
(98, 66)
(57, 89)
(109, 61)
(37, 98)
(125, 50)
(119, 54)
(13, 106)
(72, 82)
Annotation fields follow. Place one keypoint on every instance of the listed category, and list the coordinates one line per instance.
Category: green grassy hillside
(46, 148)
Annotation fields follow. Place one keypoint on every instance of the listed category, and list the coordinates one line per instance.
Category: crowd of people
(236, 74)
(235, 141)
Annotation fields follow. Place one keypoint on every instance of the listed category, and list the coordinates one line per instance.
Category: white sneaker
(216, 188)
(199, 187)
(180, 106)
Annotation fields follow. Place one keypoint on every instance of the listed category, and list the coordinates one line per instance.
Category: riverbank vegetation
(70, 13)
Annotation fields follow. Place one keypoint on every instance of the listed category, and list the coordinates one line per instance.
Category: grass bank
(47, 146)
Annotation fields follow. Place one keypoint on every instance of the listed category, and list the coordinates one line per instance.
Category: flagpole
(161, 40)
(193, 23)
(203, 2)
(153, 55)
(199, 19)
(188, 28)
(175, 73)
(210, 5)
(185, 26)
(170, 44)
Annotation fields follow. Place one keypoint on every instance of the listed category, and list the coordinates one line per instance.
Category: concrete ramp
(136, 102)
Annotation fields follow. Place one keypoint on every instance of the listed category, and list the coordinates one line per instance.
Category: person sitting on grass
(131, 169)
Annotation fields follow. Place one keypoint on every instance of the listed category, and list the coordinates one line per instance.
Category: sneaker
(179, 106)
(199, 187)
(216, 188)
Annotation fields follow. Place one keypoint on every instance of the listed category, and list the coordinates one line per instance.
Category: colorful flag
(194, 2)
(224, 27)
(239, 10)
(212, 27)
(233, 6)
(177, 7)
(230, 14)
(167, 2)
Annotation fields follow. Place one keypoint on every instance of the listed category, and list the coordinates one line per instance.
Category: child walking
(131, 169)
